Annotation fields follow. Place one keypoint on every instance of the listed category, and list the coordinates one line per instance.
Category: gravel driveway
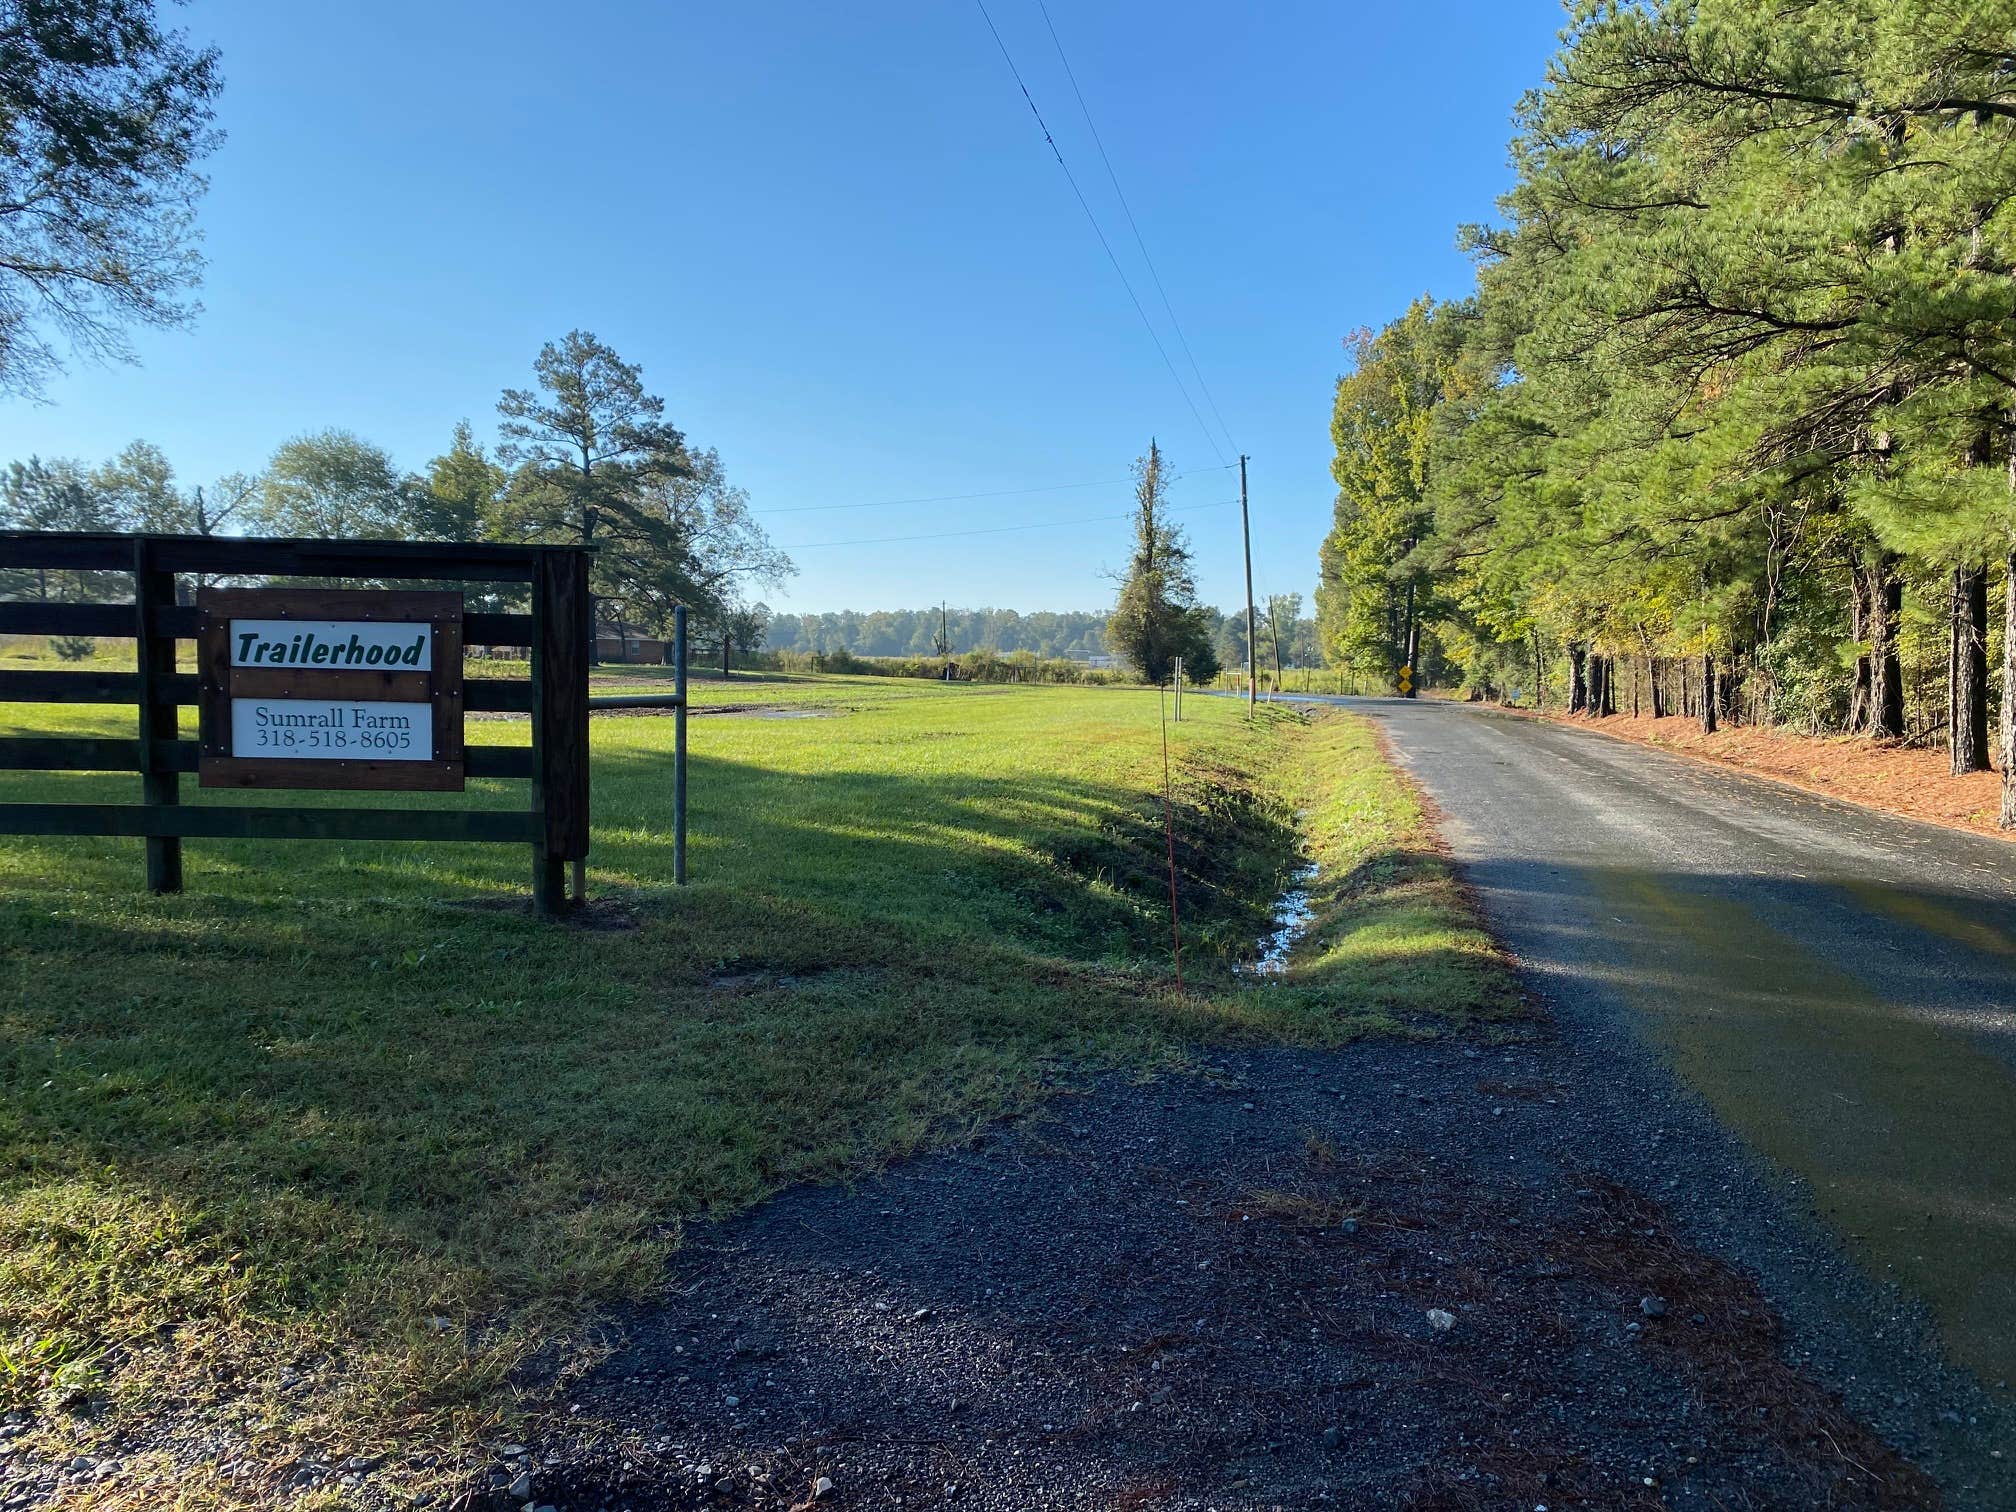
(1219, 1290)
(1604, 1263)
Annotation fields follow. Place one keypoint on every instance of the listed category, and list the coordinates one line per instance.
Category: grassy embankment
(323, 1146)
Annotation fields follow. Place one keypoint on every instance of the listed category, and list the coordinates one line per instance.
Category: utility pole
(1410, 645)
(1246, 533)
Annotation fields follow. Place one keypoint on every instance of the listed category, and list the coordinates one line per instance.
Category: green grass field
(261, 1139)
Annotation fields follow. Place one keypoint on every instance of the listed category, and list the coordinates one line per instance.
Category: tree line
(1047, 634)
(1728, 421)
(937, 631)
(584, 457)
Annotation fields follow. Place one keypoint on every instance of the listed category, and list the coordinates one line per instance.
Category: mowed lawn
(324, 1146)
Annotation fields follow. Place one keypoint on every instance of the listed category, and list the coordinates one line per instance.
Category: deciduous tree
(104, 115)
(335, 484)
(464, 492)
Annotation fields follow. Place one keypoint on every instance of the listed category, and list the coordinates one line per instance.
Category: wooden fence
(557, 633)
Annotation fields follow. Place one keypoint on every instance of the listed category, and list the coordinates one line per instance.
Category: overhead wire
(946, 535)
(1120, 194)
(1093, 220)
(999, 493)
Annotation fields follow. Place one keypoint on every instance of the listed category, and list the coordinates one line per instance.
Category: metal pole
(679, 747)
(1246, 534)
(1179, 690)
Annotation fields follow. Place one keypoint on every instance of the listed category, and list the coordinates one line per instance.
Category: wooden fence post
(560, 698)
(159, 718)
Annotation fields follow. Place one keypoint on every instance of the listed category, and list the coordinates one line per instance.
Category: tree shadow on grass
(850, 943)
(354, 1086)
(347, 1087)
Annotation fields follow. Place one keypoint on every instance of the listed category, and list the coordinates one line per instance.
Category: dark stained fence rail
(557, 633)
(46, 753)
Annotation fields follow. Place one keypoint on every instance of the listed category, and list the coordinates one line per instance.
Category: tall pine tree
(1157, 617)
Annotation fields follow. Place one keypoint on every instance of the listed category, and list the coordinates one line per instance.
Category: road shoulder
(1883, 778)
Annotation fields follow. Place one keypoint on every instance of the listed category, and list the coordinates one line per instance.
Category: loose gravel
(1426, 1275)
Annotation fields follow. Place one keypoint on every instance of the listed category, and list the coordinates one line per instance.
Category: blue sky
(835, 239)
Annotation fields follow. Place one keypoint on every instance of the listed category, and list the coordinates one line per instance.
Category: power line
(999, 493)
(1093, 220)
(1128, 210)
(947, 535)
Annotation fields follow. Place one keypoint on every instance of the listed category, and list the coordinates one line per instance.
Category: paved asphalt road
(1839, 985)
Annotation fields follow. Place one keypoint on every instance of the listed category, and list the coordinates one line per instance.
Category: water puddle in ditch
(1293, 911)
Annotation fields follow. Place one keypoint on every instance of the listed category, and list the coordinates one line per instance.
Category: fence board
(51, 753)
(112, 621)
(488, 695)
(90, 687)
(497, 695)
(40, 753)
(264, 557)
(115, 622)
(498, 629)
(217, 822)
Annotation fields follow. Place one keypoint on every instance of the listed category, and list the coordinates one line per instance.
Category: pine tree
(590, 448)
(1157, 617)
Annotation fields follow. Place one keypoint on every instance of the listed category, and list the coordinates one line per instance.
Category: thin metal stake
(1169, 833)
(679, 747)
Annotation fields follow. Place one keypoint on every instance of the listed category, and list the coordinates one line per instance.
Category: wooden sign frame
(438, 689)
(552, 581)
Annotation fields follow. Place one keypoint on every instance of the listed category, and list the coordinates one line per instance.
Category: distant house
(1099, 661)
(645, 650)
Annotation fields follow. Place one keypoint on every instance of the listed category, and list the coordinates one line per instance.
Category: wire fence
(1330, 680)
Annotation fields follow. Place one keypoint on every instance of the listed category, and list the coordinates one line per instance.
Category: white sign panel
(332, 645)
(313, 729)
